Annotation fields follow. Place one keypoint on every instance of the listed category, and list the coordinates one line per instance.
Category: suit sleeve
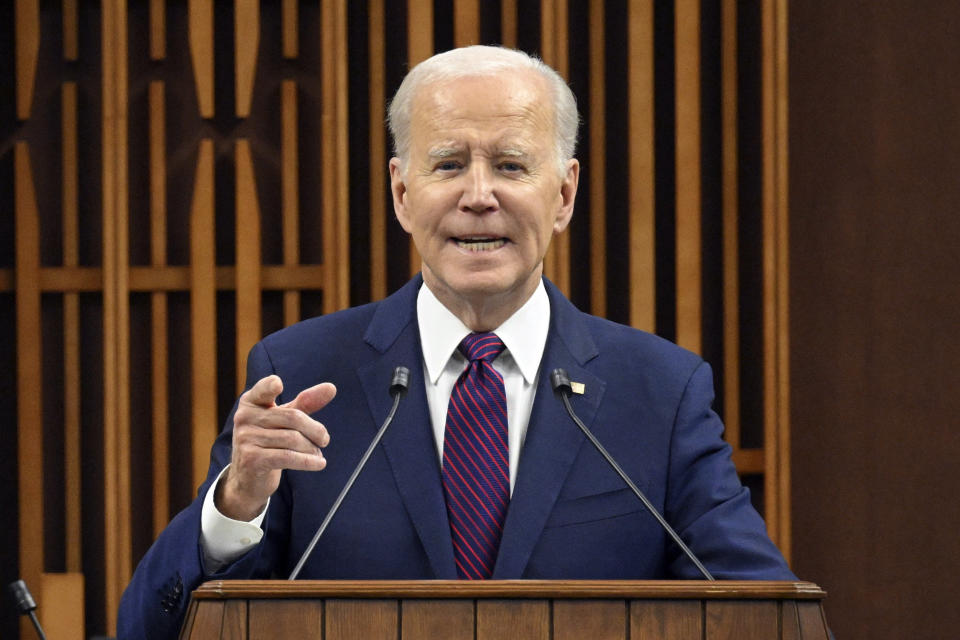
(155, 602)
(706, 502)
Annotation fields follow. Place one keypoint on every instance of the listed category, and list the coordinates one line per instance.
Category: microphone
(25, 604)
(561, 385)
(398, 387)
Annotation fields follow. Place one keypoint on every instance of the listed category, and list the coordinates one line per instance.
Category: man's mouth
(480, 244)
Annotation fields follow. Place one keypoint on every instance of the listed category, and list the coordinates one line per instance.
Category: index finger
(264, 393)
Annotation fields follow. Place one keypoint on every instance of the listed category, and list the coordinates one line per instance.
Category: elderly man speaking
(483, 474)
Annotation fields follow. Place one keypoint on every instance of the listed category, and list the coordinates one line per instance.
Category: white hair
(480, 60)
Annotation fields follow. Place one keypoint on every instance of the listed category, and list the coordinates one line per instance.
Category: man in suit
(483, 177)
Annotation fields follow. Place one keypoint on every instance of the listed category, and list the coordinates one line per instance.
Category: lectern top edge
(625, 589)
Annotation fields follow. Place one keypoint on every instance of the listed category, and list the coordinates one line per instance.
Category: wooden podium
(505, 610)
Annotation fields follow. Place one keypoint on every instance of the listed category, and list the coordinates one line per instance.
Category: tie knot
(481, 346)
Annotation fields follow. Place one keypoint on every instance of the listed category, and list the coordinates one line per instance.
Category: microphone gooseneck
(561, 385)
(26, 604)
(398, 387)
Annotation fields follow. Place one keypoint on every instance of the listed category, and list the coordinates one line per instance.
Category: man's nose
(478, 191)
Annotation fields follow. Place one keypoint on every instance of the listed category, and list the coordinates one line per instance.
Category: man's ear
(568, 193)
(399, 190)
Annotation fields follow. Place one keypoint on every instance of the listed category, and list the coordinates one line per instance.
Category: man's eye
(448, 165)
(511, 167)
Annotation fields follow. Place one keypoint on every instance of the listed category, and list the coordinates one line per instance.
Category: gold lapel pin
(578, 388)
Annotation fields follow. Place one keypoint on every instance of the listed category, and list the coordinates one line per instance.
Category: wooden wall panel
(186, 231)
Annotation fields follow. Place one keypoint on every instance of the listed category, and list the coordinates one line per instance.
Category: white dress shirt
(524, 335)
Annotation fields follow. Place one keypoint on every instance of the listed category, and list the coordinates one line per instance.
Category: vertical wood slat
(291, 37)
(743, 620)
(335, 196)
(203, 352)
(116, 305)
(378, 151)
(642, 196)
(289, 194)
(158, 30)
(29, 371)
(508, 23)
(284, 619)
(553, 43)
(775, 273)
(71, 332)
(27, 18)
(429, 619)
(361, 619)
(593, 619)
(201, 53)
(159, 365)
(731, 205)
(248, 260)
(598, 162)
(466, 22)
(666, 619)
(246, 23)
(70, 30)
(419, 48)
(514, 619)
(688, 171)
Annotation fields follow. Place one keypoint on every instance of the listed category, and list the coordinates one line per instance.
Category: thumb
(313, 399)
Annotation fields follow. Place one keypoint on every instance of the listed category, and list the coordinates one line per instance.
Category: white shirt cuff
(224, 539)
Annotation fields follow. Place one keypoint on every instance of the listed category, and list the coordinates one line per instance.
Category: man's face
(482, 193)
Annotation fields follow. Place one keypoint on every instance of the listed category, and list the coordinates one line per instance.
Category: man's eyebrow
(445, 151)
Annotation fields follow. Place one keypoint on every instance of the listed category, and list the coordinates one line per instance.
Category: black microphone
(561, 385)
(398, 387)
(25, 604)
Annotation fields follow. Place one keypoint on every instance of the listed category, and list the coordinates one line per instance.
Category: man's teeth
(480, 244)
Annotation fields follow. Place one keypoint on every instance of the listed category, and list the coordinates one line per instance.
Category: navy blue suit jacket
(570, 516)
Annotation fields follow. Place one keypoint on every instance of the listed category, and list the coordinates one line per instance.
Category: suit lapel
(553, 440)
(409, 444)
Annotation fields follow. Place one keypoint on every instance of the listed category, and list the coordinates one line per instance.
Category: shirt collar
(524, 333)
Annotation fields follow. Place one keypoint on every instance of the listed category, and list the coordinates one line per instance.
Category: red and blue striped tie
(476, 468)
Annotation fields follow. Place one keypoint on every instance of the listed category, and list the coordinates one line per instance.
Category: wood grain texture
(158, 30)
(593, 619)
(373, 619)
(246, 15)
(203, 314)
(286, 619)
(249, 260)
(688, 175)
(598, 162)
(642, 191)
(428, 619)
(290, 193)
(71, 334)
(747, 620)
(159, 315)
(775, 275)
(466, 22)
(731, 225)
(71, 49)
(201, 53)
(515, 619)
(553, 41)
(27, 18)
(290, 20)
(116, 305)
(29, 368)
(657, 620)
(335, 195)
(508, 23)
(379, 188)
(419, 48)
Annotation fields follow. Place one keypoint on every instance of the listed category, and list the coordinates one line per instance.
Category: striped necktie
(476, 468)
